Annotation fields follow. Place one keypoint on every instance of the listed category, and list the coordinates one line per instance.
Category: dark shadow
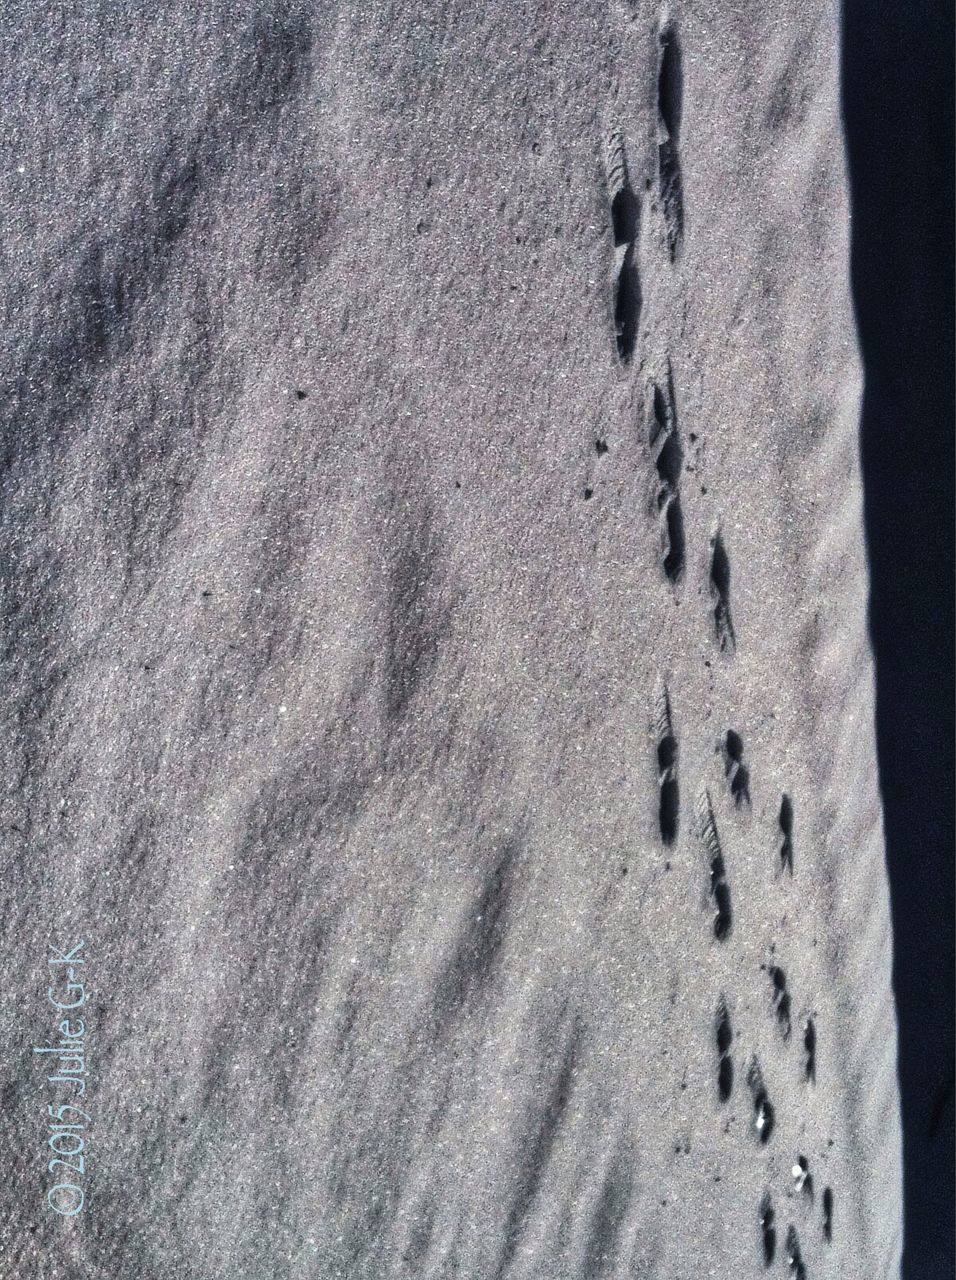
(625, 215)
(627, 305)
(720, 591)
(670, 96)
(669, 809)
(670, 82)
(674, 541)
(898, 113)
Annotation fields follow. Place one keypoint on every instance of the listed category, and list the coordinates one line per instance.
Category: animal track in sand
(810, 1051)
(781, 999)
(828, 1214)
(802, 1178)
(794, 1257)
(768, 1233)
(723, 1033)
(625, 222)
(719, 888)
(763, 1110)
(665, 445)
(737, 773)
(786, 833)
(668, 790)
(670, 92)
(720, 593)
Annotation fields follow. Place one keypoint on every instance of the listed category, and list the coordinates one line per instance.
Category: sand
(435, 671)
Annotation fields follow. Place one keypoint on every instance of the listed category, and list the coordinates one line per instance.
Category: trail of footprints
(625, 207)
(779, 999)
(624, 204)
(667, 454)
(663, 433)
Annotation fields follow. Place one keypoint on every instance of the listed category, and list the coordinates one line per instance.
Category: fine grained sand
(373, 632)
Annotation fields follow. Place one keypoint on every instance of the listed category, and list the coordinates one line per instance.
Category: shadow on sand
(898, 111)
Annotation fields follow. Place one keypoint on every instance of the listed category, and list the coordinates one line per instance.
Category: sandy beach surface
(436, 685)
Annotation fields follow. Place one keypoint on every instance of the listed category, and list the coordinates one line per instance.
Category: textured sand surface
(446, 720)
